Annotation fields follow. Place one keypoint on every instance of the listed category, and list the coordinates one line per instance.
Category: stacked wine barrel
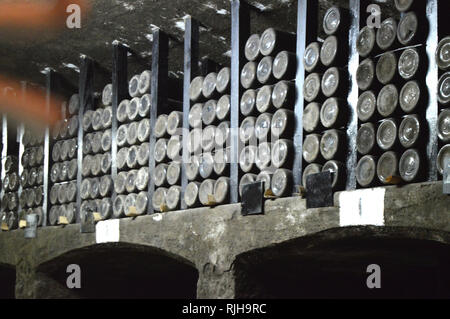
(325, 91)
(10, 202)
(133, 136)
(64, 165)
(208, 141)
(267, 120)
(392, 104)
(32, 177)
(443, 62)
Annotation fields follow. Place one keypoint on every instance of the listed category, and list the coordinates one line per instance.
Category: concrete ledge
(209, 239)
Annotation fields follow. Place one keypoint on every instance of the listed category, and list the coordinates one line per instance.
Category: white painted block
(107, 231)
(362, 207)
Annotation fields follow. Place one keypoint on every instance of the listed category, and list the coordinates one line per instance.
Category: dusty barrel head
(106, 163)
(262, 126)
(86, 166)
(195, 115)
(284, 65)
(311, 57)
(160, 175)
(118, 206)
(64, 131)
(365, 74)
(72, 168)
(159, 198)
(11, 163)
(160, 153)
(132, 133)
(26, 157)
(366, 171)
(266, 178)
(174, 148)
(332, 144)
(196, 88)
(122, 133)
(142, 178)
(443, 54)
(106, 209)
(251, 50)
(209, 112)
(132, 157)
(63, 172)
(96, 142)
(387, 134)
(283, 123)
(53, 215)
(366, 106)
(264, 99)
(106, 141)
(95, 188)
(55, 172)
(5, 183)
(87, 120)
(248, 102)
(161, 126)
(85, 188)
(311, 117)
(222, 190)
(386, 67)
(331, 81)
(329, 51)
(223, 80)
(366, 138)
(209, 85)
(130, 201)
(121, 157)
(208, 140)
(410, 95)
(62, 194)
(121, 113)
(206, 165)
(144, 105)
(87, 144)
(387, 34)
(13, 201)
(97, 119)
(282, 182)
(273, 41)
(12, 220)
(264, 70)
(387, 100)
(283, 94)
(192, 168)
(106, 186)
(120, 182)
(311, 148)
(133, 109)
(247, 158)
(71, 191)
(96, 166)
(282, 153)
(173, 173)
(337, 170)
(191, 194)
(248, 75)
(173, 197)
(311, 87)
(246, 179)
(70, 212)
(408, 64)
(141, 203)
(143, 130)
(365, 41)
(221, 161)
(263, 155)
(409, 131)
(74, 104)
(31, 161)
(444, 126)
(332, 113)
(64, 150)
(174, 122)
(331, 20)
(73, 126)
(24, 178)
(145, 79)
(13, 184)
(143, 154)
(133, 86)
(130, 183)
(206, 191)
(387, 167)
(444, 89)
(407, 28)
(443, 159)
(222, 134)
(223, 107)
(107, 94)
(410, 165)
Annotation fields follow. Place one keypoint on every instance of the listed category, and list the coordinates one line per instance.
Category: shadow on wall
(7, 282)
(333, 264)
(118, 271)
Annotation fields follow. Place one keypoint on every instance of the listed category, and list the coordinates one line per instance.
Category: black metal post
(307, 16)
(240, 31)
(191, 58)
(159, 88)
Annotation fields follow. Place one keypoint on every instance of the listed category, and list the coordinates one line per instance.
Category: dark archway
(333, 264)
(118, 271)
(7, 282)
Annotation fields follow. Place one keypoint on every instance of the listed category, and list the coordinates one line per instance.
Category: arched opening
(118, 271)
(333, 264)
(7, 282)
